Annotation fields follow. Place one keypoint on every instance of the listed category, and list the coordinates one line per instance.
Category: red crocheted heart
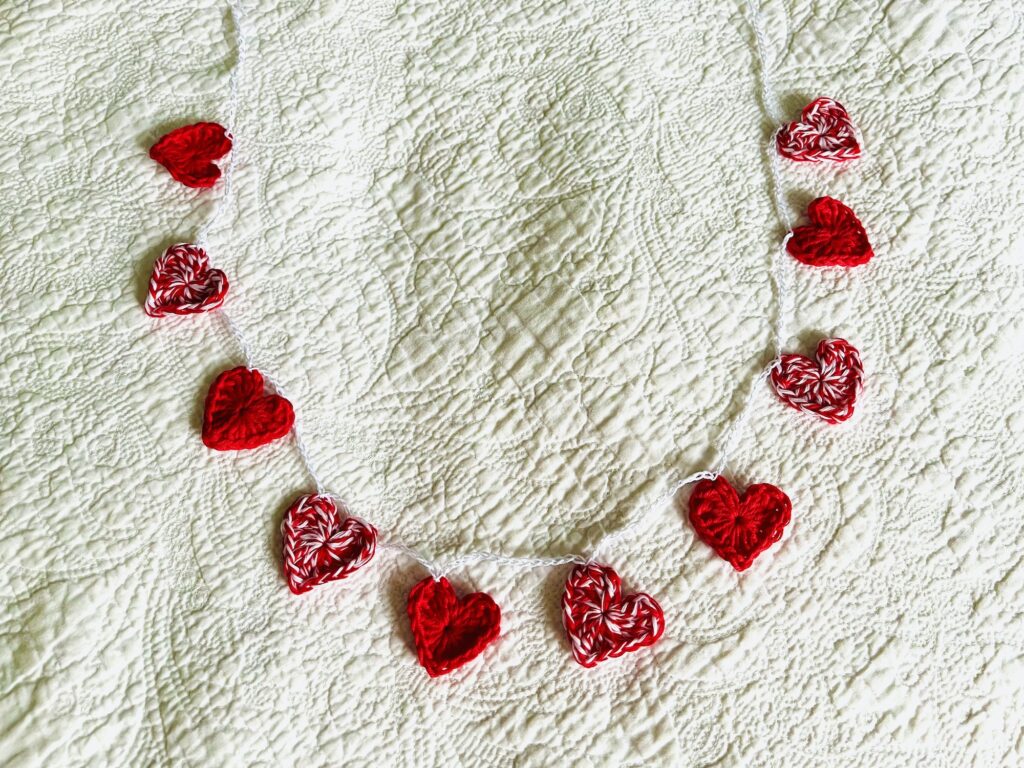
(449, 631)
(188, 153)
(239, 414)
(602, 623)
(827, 386)
(183, 283)
(738, 529)
(823, 132)
(834, 238)
(320, 545)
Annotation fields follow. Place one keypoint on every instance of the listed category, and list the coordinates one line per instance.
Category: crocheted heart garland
(323, 543)
(834, 238)
(449, 631)
(826, 387)
(602, 623)
(183, 283)
(239, 414)
(823, 132)
(738, 528)
(320, 545)
(188, 153)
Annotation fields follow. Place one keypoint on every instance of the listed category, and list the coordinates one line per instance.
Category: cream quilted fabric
(509, 258)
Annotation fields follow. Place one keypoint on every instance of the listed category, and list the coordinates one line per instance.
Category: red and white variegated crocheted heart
(600, 621)
(188, 153)
(322, 543)
(183, 283)
(824, 132)
(827, 386)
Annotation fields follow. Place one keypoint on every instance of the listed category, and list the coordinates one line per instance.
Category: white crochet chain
(726, 441)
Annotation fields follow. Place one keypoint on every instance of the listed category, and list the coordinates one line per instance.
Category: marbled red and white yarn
(323, 543)
(827, 386)
(600, 622)
(823, 133)
(183, 283)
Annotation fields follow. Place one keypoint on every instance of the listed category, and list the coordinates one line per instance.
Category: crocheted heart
(823, 132)
(826, 386)
(322, 544)
(239, 414)
(738, 528)
(602, 623)
(449, 631)
(188, 153)
(834, 238)
(183, 283)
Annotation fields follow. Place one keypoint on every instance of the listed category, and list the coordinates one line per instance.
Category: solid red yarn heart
(738, 529)
(449, 631)
(823, 132)
(183, 283)
(239, 414)
(834, 238)
(602, 623)
(826, 387)
(188, 153)
(323, 544)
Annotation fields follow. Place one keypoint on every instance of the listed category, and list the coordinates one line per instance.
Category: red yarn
(600, 622)
(834, 238)
(449, 631)
(823, 132)
(188, 153)
(239, 414)
(738, 529)
(182, 283)
(826, 387)
(319, 546)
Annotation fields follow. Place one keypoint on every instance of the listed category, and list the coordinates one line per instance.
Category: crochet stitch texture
(834, 238)
(824, 132)
(448, 630)
(602, 623)
(827, 386)
(188, 153)
(183, 283)
(239, 414)
(321, 544)
(738, 528)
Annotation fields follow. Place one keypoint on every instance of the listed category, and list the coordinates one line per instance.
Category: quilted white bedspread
(510, 260)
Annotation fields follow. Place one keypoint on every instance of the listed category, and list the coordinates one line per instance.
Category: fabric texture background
(510, 260)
